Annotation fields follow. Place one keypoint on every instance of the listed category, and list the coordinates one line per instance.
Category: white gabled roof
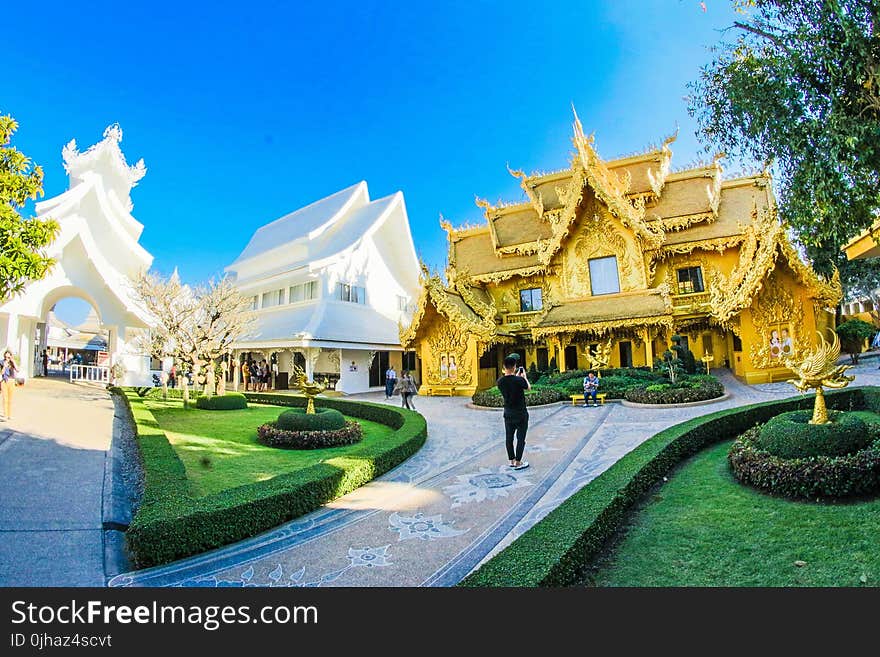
(306, 223)
(326, 320)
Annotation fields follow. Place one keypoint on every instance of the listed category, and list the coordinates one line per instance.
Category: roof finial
(114, 132)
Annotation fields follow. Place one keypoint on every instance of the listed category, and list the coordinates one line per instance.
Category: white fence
(93, 373)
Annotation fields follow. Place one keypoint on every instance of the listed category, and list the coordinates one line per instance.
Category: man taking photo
(513, 386)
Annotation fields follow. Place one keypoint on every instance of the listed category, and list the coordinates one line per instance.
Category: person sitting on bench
(591, 388)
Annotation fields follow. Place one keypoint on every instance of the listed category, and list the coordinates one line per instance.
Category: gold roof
(519, 227)
(606, 307)
(476, 255)
(734, 213)
(684, 197)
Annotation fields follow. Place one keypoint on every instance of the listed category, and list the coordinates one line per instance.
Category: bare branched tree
(195, 326)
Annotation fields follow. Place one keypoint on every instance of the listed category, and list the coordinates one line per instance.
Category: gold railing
(690, 302)
(520, 318)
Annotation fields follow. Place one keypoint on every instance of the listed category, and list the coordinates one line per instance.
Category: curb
(115, 507)
(704, 402)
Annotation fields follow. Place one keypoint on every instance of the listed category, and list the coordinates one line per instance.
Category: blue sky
(246, 111)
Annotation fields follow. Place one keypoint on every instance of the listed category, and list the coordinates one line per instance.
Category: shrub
(685, 355)
(809, 477)
(324, 419)
(537, 396)
(853, 334)
(636, 373)
(231, 401)
(790, 436)
(173, 523)
(556, 550)
(691, 389)
(272, 435)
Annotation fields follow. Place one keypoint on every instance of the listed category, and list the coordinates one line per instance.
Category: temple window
(351, 293)
(690, 280)
(737, 343)
(273, 298)
(303, 292)
(401, 302)
(255, 302)
(530, 300)
(603, 275)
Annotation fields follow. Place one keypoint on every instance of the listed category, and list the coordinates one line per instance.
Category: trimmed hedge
(699, 387)
(810, 477)
(231, 401)
(537, 396)
(555, 551)
(637, 373)
(272, 435)
(172, 523)
(173, 393)
(324, 419)
(790, 436)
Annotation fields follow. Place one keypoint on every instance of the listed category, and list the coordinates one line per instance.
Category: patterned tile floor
(434, 518)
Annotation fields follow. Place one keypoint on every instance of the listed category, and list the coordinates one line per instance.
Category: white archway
(97, 257)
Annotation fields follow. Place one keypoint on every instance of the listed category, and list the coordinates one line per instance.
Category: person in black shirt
(513, 386)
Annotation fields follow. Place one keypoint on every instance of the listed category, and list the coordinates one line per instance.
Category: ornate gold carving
(435, 291)
(499, 276)
(450, 339)
(601, 358)
(765, 240)
(719, 244)
(776, 308)
(601, 329)
(674, 224)
(817, 369)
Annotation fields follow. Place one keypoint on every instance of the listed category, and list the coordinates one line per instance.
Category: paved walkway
(451, 506)
(51, 484)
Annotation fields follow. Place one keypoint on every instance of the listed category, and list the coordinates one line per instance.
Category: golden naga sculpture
(601, 359)
(309, 388)
(817, 369)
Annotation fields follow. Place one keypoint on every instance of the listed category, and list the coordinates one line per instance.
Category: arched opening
(71, 333)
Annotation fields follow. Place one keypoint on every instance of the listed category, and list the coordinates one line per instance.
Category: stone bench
(600, 397)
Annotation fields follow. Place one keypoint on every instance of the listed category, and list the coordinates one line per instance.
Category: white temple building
(97, 256)
(331, 282)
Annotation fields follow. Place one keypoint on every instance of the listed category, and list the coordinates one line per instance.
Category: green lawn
(703, 528)
(229, 440)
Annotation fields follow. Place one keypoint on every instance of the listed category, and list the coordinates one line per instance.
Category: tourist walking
(591, 389)
(390, 380)
(513, 386)
(172, 376)
(406, 386)
(7, 382)
(45, 363)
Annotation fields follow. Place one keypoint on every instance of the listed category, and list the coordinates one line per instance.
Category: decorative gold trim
(434, 290)
(603, 328)
(499, 276)
(765, 240)
(675, 224)
(719, 244)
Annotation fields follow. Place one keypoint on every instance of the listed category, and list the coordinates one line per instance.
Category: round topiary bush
(791, 436)
(324, 419)
(232, 401)
(808, 477)
(273, 436)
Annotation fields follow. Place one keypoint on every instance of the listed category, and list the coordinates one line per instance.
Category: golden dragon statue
(309, 388)
(817, 369)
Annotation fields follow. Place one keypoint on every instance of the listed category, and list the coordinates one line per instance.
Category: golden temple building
(622, 253)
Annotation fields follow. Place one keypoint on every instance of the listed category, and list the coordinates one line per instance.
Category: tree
(22, 241)
(853, 334)
(800, 86)
(684, 354)
(195, 326)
